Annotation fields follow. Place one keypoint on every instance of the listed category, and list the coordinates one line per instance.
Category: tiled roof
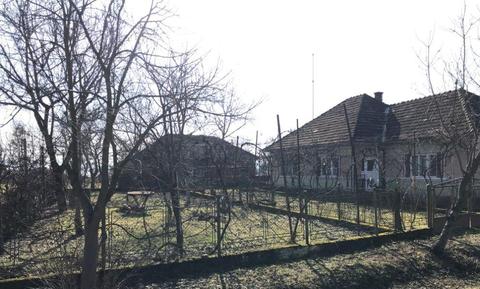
(365, 115)
(189, 140)
(428, 116)
(367, 118)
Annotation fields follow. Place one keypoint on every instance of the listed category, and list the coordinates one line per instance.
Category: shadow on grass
(388, 266)
(397, 267)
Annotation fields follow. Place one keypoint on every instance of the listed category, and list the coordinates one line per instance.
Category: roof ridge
(426, 96)
(293, 132)
(340, 103)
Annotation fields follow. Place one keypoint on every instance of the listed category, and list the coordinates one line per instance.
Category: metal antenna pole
(313, 85)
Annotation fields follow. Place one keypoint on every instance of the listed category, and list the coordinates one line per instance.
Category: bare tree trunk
(92, 182)
(287, 199)
(75, 201)
(57, 172)
(90, 254)
(464, 192)
(58, 187)
(178, 220)
(397, 216)
(78, 216)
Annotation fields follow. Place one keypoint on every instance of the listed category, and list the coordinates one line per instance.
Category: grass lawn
(405, 264)
(413, 217)
(138, 239)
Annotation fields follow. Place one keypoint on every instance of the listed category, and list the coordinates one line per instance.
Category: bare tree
(229, 114)
(190, 91)
(71, 62)
(459, 127)
(122, 52)
(82, 68)
(26, 56)
(91, 150)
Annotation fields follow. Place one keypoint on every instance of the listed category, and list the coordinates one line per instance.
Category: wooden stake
(292, 236)
(219, 225)
(352, 146)
(430, 206)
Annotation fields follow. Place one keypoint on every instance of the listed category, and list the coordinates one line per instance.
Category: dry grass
(413, 216)
(406, 264)
(140, 239)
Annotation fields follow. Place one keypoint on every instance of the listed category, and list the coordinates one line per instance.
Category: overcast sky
(359, 46)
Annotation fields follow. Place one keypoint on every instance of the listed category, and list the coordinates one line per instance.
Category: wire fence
(143, 229)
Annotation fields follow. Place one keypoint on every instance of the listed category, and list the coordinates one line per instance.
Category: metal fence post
(375, 207)
(307, 220)
(218, 219)
(469, 206)
(430, 206)
(397, 218)
(339, 204)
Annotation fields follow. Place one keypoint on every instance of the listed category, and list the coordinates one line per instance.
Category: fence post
(375, 207)
(430, 206)
(469, 205)
(42, 168)
(267, 227)
(397, 218)
(285, 184)
(307, 220)
(218, 219)
(339, 204)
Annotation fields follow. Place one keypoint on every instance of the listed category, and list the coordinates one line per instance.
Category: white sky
(360, 47)
(267, 45)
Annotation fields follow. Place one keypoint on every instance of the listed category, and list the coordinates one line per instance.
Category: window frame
(327, 167)
(419, 165)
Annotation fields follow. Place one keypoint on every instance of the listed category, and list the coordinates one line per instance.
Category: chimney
(378, 96)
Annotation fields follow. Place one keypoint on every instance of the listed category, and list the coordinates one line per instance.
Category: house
(188, 161)
(407, 142)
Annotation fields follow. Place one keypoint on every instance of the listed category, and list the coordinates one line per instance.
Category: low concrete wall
(464, 221)
(159, 272)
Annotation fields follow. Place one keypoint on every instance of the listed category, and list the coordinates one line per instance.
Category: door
(370, 174)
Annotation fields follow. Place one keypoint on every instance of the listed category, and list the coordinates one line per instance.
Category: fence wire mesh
(143, 230)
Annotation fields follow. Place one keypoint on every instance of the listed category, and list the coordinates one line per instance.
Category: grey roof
(367, 118)
(190, 139)
(429, 116)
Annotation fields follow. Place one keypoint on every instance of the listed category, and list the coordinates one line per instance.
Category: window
(407, 165)
(318, 168)
(295, 168)
(289, 169)
(370, 165)
(424, 164)
(327, 167)
(435, 165)
(335, 168)
(414, 163)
